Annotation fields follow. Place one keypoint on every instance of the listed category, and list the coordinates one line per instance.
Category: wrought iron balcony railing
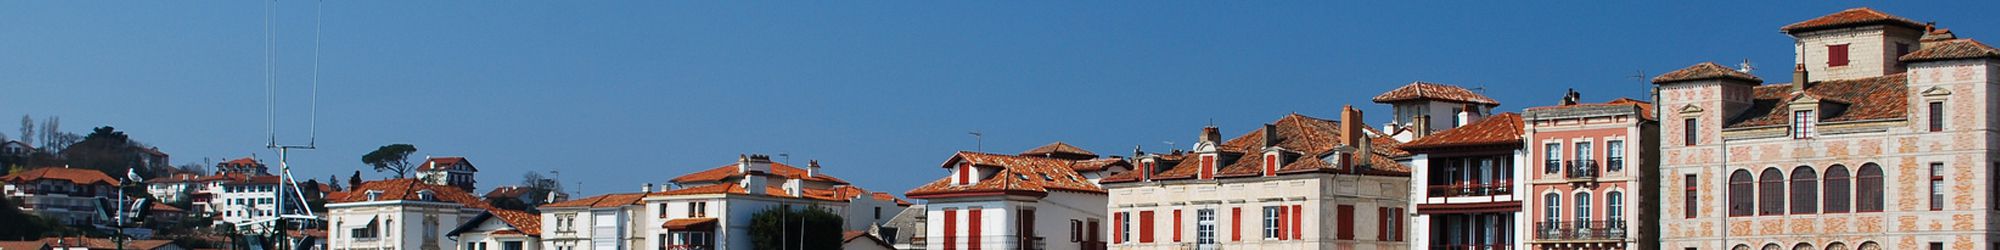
(1581, 170)
(1580, 230)
(1497, 187)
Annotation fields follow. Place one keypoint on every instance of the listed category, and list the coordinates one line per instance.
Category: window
(1075, 231)
(510, 245)
(1177, 226)
(1741, 189)
(1836, 55)
(1692, 132)
(1271, 226)
(1805, 192)
(1552, 158)
(1771, 192)
(1552, 208)
(1614, 157)
(1689, 196)
(699, 209)
(1868, 188)
(368, 231)
(1204, 227)
(1582, 209)
(1836, 197)
(1614, 205)
(1937, 186)
(1124, 227)
(951, 228)
(1802, 124)
(1344, 222)
(1270, 164)
(1937, 116)
(1937, 245)
(964, 173)
(1236, 224)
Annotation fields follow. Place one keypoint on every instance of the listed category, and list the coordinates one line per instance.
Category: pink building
(1590, 169)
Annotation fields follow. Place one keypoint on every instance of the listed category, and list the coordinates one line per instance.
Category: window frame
(1272, 224)
(1936, 113)
(1742, 199)
(1804, 191)
(1614, 155)
(1804, 124)
(1937, 187)
(1836, 179)
(1691, 131)
(1771, 192)
(1868, 189)
(1691, 196)
(1837, 55)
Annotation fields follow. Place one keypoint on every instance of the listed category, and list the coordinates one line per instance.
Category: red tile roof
(444, 162)
(1645, 108)
(507, 192)
(1873, 98)
(1060, 150)
(406, 189)
(1017, 174)
(181, 177)
(1705, 71)
(605, 200)
(1850, 18)
(526, 223)
(690, 224)
(1501, 129)
(1094, 165)
(728, 172)
(243, 161)
(1952, 49)
(73, 175)
(1308, 138)
(1433, 91)
(772, 191)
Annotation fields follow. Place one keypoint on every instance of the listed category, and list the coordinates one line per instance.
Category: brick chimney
(1270, 135)
(1352, 134)
(1210, 134)
(1799, 79)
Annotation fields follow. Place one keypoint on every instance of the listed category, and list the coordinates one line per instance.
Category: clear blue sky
(615, 94)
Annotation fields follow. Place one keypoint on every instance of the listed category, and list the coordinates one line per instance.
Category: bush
(782, 228)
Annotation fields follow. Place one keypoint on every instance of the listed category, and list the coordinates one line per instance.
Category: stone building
(1883, 140)
(1297, 183)
(1593, 175)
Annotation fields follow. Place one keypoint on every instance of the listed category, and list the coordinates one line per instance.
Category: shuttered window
(1836, 55)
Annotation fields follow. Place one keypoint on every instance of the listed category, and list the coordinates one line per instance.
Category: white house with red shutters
(1022, 201)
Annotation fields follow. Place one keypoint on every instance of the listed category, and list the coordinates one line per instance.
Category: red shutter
(1236, 224)
(950, 229)
(1298, 217)
(1177, 225)
(1836, 55)
(1145, 226)
(1117, 226)
(1382, 224)
(1207, 167)
(1283, 217)
(1270, 165)
(1346, 222)
(972, 220)
(1400, 227)
(964, 173)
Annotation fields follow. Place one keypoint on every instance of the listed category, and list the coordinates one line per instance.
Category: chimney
(1466, 115)
(753, 183)
(1351, 126)
(1799, 79)
(648, 188)
(1210, 134)
(742, 164)
(1270, 135)
(812, 168)
(1571, 98)
(793, 187)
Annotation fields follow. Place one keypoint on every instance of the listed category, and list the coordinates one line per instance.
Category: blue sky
(618, 93)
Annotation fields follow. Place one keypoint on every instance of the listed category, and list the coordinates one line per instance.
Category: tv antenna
(272, 227)
(978, 140)
(1745, 66)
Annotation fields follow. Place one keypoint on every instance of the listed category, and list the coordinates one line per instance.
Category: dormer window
(1802, 124)
(426, 195)
(1270, 164)
(1207, 166)
(374, 195)
(965, 173)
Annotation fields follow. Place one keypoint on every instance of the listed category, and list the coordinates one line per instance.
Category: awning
(690, 224)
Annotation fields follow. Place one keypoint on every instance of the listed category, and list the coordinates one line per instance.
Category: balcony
(1497, 187)
(1034, 243)
(1472, 247)
(1596, 230)
(1581, 170)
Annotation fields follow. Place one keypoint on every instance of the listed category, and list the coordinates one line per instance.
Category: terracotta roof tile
(1705, 71)
(1873, 98)
(1952, 49)
(605, 200)
(1504, 128)
(525, 222)
(728, 172)
(430, 164)
(1433, 91)
(1645, 108)
(1306, 137)
(1849, 18)
(73, 175)
(406, 189)
(1017, 174)
(1059, 149)
(1094, 165)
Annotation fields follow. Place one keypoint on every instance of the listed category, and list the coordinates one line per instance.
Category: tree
(27, 130)
(106, 150)
(354, 181)
(194, 168)
(51, 131)
(392, 158)
(780, 227)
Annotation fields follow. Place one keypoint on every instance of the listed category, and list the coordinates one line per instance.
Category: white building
(499, 229)
(996, 201)
(66, 195)
(399, 214)
(596, 222)
(448, 171)
(712, 208)
(174, 188)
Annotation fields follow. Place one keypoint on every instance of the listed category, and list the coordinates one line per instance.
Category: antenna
(291, 192)
(1640, 75)
(1745, 67)
(1170, 145)
(978, 140)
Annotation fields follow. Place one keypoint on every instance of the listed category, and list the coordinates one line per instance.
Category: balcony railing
(1614, 164)
(1034, 243)
(1552, 166)
(1580, 230)
(1497, 187)
(1581, 170)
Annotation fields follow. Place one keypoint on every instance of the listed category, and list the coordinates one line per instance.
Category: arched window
(1740, 247)
(1868, 189)
(1837, 197)
(1836, 245)
(1552, 208)
(1803, 246)
(1869, 245)
(1582, 208)
(1771, 192)
(1773, 246)
(1614, 203)
(1805, 190)
(1740, 194)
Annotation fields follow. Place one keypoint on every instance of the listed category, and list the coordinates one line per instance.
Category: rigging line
(312, 113)
(267, 73)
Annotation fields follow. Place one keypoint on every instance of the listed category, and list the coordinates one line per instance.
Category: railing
(1472, 247)
(1581, 170)
(689, 247)
(1615, 164)
(1552, 166)
(1497, 187)
(1580, 230)
(1034, 243)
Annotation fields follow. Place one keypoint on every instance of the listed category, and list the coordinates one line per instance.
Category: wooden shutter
(1346, 222)
(1836, 55)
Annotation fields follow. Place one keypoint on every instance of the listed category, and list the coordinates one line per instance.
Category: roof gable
(1705, 71)
(1862, 16)
(1025, 174)
(1501, 129)
(1952, 49)
(1433, 91)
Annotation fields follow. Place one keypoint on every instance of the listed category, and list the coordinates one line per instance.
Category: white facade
(997, 220)
(395, 224)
